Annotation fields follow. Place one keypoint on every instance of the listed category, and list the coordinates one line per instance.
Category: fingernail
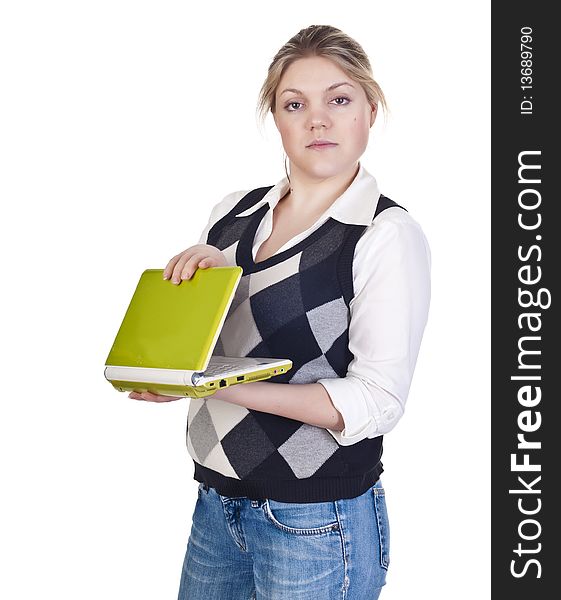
(165, 277)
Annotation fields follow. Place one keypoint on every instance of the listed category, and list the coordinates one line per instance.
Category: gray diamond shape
(241, 294)
(310, 372)
(202, 433)
(328, 243)
(240, 334)
(219, 348)
(328, 322)
(307, 449)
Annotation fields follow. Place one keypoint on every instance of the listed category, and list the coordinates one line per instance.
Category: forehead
(314, 73)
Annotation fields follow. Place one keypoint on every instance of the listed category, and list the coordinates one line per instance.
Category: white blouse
(389, 310)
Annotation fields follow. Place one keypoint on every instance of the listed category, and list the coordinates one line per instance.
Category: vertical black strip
(525, 396)
(250, 199)
(346, 255)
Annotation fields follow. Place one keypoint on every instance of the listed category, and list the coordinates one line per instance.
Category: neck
(311, 195)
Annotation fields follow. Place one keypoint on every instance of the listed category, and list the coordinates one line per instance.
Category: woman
(336, 277)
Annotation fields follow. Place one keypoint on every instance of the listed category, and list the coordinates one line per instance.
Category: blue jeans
(243, 549)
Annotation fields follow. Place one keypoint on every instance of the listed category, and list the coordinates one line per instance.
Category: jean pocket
(383, 524)
(314, 518)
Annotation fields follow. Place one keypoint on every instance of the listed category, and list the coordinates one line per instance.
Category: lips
(321, 144)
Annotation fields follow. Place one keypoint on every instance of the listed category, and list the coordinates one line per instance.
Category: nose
(318, 118)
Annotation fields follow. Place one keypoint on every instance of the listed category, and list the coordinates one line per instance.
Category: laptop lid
(174, 326)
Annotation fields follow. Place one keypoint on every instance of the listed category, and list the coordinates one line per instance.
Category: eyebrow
(331, 87)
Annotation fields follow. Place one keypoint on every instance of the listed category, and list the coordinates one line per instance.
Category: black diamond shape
(246, 446)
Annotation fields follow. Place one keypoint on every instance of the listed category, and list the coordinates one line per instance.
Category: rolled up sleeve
(388, 314)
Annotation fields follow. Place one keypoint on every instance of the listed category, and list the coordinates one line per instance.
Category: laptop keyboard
(221, 365)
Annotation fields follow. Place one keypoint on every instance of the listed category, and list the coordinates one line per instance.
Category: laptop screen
(174, 326)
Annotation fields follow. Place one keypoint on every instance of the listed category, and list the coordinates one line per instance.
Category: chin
(329, 169)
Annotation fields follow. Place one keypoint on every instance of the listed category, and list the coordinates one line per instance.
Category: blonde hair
(328, 42)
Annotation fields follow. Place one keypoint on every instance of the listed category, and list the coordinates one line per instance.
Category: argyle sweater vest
(295, 305)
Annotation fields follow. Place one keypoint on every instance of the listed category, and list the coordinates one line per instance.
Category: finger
(208, 261)
(191, 266)
(184, 259)
(168, 270)
(184, 265)
(161, 399)
(142, 396)
(178, 268)
(150, 396)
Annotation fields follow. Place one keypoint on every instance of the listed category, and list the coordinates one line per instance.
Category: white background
(122, 124)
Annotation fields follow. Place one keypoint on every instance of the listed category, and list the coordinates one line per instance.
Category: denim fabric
(243, 549)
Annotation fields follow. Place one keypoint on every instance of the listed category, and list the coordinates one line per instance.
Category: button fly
(232, 509)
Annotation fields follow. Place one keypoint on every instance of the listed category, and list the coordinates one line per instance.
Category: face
(310, 104)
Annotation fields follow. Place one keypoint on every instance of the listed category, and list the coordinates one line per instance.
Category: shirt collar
(355, 206)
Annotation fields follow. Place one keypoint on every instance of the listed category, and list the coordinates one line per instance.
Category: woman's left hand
(150, 397)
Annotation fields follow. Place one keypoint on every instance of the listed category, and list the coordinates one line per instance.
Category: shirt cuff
(353, 408)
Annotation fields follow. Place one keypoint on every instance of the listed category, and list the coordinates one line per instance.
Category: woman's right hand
(183, 265)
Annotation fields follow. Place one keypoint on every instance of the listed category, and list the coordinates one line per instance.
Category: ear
(373, 114)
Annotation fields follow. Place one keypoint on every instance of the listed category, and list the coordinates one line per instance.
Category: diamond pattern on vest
(328, 322)
(291, 305)
(244, 443)
(277, 311)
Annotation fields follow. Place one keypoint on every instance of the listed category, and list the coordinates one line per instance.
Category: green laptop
(166, 340)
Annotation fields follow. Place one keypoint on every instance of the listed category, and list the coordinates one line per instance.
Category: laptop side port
(222, 383)
(239, 378)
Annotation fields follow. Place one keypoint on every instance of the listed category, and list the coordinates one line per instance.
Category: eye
(287, 107)
(342, 98)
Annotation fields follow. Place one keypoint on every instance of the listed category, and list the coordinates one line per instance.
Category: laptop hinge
(197, 375)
